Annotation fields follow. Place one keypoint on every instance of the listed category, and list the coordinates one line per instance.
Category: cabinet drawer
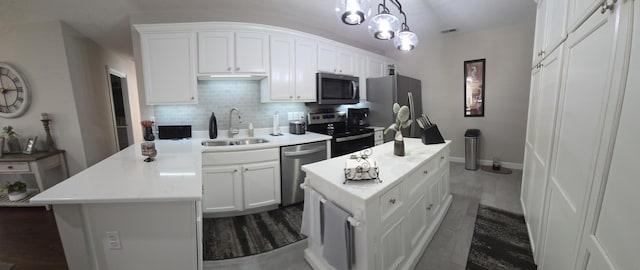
(14, 167)
(240, 157)
(390, 202)
(443, 157)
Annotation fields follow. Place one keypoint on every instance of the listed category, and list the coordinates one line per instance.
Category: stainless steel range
(344, 140)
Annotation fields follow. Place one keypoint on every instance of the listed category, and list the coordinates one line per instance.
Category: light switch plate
(113, 240)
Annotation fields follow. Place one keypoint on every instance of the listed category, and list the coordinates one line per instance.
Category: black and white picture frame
(474, 73)
(30, 146)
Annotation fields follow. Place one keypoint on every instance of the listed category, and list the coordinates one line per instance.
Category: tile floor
(450, 245)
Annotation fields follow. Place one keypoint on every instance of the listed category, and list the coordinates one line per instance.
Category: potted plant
(13, 141)
(402, 121)
(16, 190)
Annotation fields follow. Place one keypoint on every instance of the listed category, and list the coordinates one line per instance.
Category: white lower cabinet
(393, 249)
(240, 180)
(222, 189)
(261, 183)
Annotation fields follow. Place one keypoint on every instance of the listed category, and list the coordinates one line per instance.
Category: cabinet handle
(290, 97)
(429, 207)
(246, 169)
(334, 70)
(606, 6)
(425, 172)
(298, 97)
(229, 69)
(192, 98)
(392, 201)
(341, 71)
(237, 68)
(10, 167)
(442, 157)
(235, 170)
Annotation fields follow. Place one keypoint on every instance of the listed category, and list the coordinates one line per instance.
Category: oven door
(346, 145)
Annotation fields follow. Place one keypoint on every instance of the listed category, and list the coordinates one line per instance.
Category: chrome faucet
(233, 131)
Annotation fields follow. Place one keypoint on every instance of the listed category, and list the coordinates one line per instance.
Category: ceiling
(108, 21)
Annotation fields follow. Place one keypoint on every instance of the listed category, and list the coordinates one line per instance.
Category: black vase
(148, 134)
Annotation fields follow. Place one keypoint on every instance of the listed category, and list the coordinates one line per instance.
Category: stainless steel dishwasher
(291, 159)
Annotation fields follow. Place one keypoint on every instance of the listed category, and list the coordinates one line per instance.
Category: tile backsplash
(219, 97)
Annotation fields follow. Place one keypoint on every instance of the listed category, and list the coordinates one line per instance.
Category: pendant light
(405, 40)
(352, 12)
(383, 25)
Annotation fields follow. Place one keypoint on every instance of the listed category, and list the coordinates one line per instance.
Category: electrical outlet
(113, 240)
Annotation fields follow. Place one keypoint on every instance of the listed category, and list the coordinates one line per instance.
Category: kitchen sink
(246, 141)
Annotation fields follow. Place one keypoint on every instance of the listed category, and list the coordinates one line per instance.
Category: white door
(417, 222)
(282, 68)
(587, 95)
(346, 62)
(538, 43)
(375, 68)
(306, 66)
(221, 189)
(252, 52)
(579, 10)
(261, 184)
(216, 52)
(614, 239)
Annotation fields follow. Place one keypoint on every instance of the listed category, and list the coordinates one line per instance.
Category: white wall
(69, 83)
(87, 64)
(37, 52)
(439, 65)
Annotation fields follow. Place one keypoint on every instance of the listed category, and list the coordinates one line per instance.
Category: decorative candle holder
(148, 150)
(50, 145)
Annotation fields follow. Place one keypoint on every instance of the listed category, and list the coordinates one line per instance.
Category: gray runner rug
(233, 237)
(6, 266)
(500, 241)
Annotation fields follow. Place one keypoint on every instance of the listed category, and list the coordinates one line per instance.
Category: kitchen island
(124, 213)
(394, 219)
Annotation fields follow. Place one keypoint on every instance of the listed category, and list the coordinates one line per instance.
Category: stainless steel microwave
(337, 89)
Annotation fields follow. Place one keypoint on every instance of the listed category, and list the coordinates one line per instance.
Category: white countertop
(175, 175)
(274, 141)
(391, 167)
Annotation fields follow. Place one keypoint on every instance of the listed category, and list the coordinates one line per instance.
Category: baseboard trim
(485, 162)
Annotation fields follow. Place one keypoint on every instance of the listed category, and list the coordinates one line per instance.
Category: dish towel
(338, 237)
(311, 221)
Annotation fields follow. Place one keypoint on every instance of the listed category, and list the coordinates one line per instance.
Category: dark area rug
(500, 241)
(233, 237)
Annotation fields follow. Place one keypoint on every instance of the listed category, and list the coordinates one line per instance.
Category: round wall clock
(14, 95)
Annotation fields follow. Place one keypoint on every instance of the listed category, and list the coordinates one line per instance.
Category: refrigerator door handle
(413, 113)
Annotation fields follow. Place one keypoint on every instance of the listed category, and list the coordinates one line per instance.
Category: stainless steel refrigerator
(384, 91)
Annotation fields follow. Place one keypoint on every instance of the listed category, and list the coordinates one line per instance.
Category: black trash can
(471, 149)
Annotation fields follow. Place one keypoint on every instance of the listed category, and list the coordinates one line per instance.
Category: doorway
(120, 108)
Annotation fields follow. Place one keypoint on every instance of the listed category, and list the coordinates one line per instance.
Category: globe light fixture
(383, 26)
(352, 12)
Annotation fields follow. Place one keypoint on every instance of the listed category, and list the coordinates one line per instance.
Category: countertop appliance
(174, 132)
(337, 89)
(344, 140)
(291, 159)
(357, 117)
(296, 127)
(384, 91)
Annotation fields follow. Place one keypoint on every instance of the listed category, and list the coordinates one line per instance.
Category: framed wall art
(474, 88)
(30, 146)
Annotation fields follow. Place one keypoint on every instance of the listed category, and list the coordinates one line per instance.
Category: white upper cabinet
(216, 52)
(336, 60)
(169, 64)
(306, 68)
(282, 86)
(224, 52)
(551, 27)
(579, 11)
(375, 67)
